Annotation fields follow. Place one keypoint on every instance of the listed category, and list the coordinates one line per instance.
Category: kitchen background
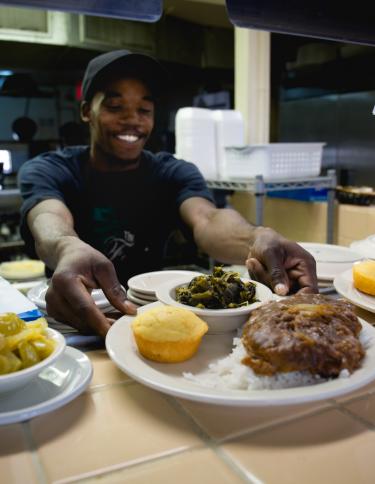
(320, 90)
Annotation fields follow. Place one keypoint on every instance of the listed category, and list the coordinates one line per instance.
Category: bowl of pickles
(26, 349)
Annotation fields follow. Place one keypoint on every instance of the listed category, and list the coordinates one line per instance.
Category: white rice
(230, 374)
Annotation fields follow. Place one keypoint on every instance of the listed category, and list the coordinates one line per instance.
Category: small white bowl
(12, 381)
(218, 320)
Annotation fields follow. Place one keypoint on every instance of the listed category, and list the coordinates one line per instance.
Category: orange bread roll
(168, 334)
(364, 276)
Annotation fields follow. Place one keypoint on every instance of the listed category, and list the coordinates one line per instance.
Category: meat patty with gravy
(304, 332)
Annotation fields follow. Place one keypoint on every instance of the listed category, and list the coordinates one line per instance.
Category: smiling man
(99, 214)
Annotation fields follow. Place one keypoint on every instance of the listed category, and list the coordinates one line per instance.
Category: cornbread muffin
(168, 334)
(364, 276)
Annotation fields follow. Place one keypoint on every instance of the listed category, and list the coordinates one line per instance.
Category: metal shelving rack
(259, 187)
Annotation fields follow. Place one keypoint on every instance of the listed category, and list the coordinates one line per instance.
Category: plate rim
(347, 277)
(257, 398)
(58, 401)
(152, 292)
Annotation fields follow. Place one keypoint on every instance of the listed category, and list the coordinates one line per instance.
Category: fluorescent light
(6, 160)
(6, 72)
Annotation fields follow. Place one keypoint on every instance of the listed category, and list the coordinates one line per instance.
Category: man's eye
(113, 107)
(145, 111)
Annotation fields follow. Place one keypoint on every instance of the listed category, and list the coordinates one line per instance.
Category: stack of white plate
(331, 260)
(142, 287)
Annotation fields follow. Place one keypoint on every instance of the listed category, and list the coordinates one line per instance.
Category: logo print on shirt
(116, 246)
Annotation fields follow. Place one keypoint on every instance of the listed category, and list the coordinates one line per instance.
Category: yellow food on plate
(22, 269)
(364, 276)
(22, 344)
(168, 334)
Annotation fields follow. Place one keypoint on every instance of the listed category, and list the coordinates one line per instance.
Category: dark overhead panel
(142, 10)
(326, 19)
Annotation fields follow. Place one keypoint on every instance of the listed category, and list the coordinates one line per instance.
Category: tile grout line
(38, 466)
(236, 467)
(209, 441)
(125, 466)
(275, 424)
(366, 423)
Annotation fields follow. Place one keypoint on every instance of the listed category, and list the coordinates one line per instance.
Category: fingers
(106, 277)
(271, 272)
(72, 304)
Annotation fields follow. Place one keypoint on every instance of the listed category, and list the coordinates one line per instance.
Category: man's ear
(85, 111)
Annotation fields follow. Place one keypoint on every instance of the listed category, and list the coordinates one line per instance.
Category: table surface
(120, 431)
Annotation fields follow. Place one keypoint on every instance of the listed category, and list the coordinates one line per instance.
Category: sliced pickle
(44, 347)
(10, 324)
(28, 354)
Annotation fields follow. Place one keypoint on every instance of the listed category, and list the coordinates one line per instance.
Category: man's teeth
(129, 138)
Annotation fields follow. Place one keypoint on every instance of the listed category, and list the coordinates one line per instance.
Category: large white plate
(168, 378)
(331, 260)
(55, 386)
(344, 285)
(148, 282)
(37, 295)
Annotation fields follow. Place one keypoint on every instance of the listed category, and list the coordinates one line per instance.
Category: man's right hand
(79, 270)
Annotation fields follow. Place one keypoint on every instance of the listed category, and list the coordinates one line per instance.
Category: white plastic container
(273, 161)
(195, 139)
(229, 131)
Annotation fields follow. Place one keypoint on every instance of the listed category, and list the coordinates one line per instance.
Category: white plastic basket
(272, 161)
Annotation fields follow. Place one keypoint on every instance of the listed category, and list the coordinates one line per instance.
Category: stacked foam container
(202, 135)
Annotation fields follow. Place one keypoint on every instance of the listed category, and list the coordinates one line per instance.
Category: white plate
(365, 247)
(55, 386)
(137, 300)
(139, 295)
(344, 285)
(22, 270)
(37, 295)
(11, 381)
(331, 260)
(148, 282)
(168, 378)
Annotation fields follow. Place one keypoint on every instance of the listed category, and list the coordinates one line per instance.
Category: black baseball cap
(118, 63)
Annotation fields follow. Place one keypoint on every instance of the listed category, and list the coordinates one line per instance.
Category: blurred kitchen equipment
(355, 195)
(274, 160)
(229, 131)
(24, 129)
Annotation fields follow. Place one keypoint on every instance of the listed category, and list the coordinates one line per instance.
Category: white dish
(331, 259)
(148, 282)
(22, 270)
(137, 300)
(218, 320)
(344, 285)
(168, 378)
(11, 381)
(365, 247)
(37, 295)
(54, 387)
(139, 295)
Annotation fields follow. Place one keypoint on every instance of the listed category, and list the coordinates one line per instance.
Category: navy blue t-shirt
(128, 216)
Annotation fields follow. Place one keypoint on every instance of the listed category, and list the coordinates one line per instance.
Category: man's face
(121, 119)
